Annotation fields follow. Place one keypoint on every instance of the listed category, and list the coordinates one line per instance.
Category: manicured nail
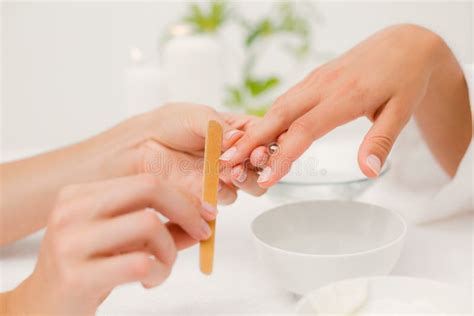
(374, 164)
(239, 174)
(209, 208)
(265, 175)
(232, 133)
(229, 154)
(205, 230)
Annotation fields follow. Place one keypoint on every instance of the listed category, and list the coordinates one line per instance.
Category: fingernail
(239, 174)
(230, 134)
(209, 208)
(205, 230)
(229, 154)
(374, 164)
(265, 175)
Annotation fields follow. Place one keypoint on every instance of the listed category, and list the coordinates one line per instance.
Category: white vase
(194, 70)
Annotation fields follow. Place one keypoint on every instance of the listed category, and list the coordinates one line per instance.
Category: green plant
(207, 20)
(283, 19)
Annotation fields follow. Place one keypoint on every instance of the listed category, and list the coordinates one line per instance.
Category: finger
(281, 137)
(227, 195)
(248, 182)
(142, 227)
(199, 125)
(181, 239)
(128, 194)
(157, 274)
(283, 112)
(378, 142)
(230, 137)
(259, 157)
(301, 134)
(109, 272)
(240, 121)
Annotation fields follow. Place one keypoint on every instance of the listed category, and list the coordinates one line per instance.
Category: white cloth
(425, 193)
(456, 196)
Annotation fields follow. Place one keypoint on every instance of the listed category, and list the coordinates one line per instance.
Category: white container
(393, 295)
(143, 84)
(306, 245)
(194, 70)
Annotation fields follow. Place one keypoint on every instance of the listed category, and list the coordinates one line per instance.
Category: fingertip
(239, 174)
(230, 137)
(228, 155)
(370, 165)
(374, 164)
(267, 178)
(259, 157)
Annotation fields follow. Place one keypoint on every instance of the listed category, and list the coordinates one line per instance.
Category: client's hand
(103, 234)
(399, 71)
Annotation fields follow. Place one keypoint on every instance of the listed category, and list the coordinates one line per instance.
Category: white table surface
(441, 251)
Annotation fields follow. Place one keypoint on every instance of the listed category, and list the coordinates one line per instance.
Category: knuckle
(67, 192)
(301, 127)
(70, 279)
(330, 75)
(383, 143)
(60, 217)
(148, 181)
(195, 202)
(140, 266)
(281, 102)
(279, 112)
(150, 222)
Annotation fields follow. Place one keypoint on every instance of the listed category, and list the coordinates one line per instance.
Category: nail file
(212, 153)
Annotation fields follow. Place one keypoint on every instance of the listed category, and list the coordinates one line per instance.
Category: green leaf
(262, 29)
(258, 86)
(234, 97)
(207, 20)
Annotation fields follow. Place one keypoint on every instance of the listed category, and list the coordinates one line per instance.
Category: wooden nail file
(212, 153)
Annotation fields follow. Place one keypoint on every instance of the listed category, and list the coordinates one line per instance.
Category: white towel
(424, 192)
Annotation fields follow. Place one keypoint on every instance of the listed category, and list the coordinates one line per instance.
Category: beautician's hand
(167, 142)
(104, 234)
(388, 77)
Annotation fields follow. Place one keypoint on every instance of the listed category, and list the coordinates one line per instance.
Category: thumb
(379, 140)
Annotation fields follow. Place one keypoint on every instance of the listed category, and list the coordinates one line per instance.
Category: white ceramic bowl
(400, 295)
(308, 244)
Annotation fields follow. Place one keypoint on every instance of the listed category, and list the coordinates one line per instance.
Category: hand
(385, 78)
(171, 136)
(101, 235)
(174, 148)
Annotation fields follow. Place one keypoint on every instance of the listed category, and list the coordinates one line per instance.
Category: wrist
(427, 44)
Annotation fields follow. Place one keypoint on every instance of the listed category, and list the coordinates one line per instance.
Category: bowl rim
(389, 244)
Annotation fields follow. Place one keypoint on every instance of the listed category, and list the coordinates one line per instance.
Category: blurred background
(70, 69)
